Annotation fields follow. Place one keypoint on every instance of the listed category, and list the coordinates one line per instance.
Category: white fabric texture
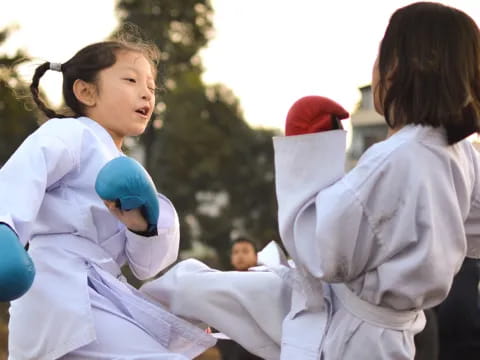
(248, 307)
(394, 230)
(371, 248)
(48, 197)
(115, 332)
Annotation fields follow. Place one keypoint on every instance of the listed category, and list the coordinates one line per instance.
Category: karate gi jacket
(47, 196)
(388, 237)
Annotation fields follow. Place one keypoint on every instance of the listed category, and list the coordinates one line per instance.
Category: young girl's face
(125, 96)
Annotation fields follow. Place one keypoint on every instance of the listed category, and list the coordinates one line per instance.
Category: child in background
(243, 255)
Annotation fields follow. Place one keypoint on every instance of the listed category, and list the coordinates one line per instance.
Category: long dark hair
(85, 65)
(429, 68)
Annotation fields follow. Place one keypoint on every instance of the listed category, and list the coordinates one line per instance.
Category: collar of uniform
(407, 131)
(100, 131)
(425, 134)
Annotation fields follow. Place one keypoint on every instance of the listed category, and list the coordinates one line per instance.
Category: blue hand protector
(16, 267)
(125, 181)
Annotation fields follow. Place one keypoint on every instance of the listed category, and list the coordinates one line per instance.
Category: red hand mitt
(312, 114)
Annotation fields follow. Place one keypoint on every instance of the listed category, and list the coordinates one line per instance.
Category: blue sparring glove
(125, 181)
(16, 267)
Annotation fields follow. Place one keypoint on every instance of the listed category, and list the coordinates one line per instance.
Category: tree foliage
(215, 168)
(16, 121)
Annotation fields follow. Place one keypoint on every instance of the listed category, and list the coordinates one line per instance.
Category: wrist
(150, 230)
(137, 226)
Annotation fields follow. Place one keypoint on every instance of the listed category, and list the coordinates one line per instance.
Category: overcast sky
(269, 52)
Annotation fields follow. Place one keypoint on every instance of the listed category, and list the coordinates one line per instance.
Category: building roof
(364, 117)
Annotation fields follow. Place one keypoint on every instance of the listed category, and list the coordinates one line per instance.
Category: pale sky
(269, 52)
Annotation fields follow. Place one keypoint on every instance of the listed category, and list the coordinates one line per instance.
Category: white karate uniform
(372, 248)
(79, 302)
(248, 307)
(389, 235)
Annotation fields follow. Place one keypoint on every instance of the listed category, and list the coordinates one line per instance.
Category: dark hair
(243, 239)
(429, 68)
(85, 65)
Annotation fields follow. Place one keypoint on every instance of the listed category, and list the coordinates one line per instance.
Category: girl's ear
(85, 92)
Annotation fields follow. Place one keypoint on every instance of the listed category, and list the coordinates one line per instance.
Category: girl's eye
(130, 80)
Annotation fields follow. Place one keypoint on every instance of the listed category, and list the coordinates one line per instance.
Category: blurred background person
(243, 256)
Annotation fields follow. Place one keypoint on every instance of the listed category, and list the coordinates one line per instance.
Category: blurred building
(368, 127)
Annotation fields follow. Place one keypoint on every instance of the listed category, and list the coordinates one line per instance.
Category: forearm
(304, 165)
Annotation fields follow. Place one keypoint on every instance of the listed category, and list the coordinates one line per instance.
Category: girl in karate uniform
(390, 235)
(375, 246)
(80, 306)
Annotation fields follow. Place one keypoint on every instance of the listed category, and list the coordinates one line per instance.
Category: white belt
(376, 315)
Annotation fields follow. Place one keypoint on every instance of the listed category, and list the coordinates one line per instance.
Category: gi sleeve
(149, 255)
(322, 223)
(472, 230)
(472, 223)
(39, 163)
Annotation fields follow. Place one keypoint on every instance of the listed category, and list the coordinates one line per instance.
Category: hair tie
(56, 67)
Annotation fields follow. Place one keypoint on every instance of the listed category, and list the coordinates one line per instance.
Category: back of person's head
(85, 65)
(243, 254)
(429, 70)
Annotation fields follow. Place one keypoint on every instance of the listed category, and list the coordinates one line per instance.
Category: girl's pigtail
(39, 71)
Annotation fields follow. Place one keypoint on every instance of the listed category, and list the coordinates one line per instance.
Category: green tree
(179, 29)
(216, 169)
(16, 121)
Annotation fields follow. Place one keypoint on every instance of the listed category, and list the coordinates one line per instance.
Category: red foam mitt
(311, 114)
